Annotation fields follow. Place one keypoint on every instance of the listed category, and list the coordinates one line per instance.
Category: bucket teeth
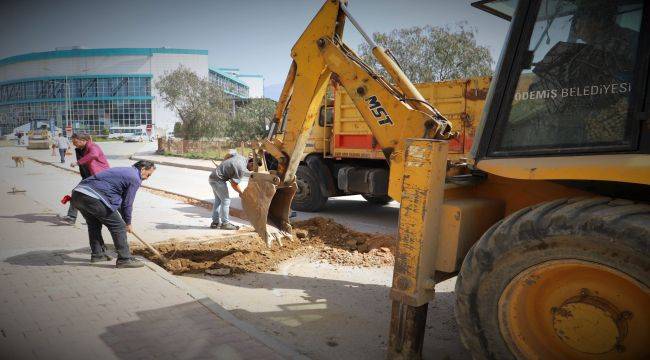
(263, 200)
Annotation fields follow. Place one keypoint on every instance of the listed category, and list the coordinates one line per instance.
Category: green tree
(203, 108)
(432, 53)
(178, 129)
(251, 120)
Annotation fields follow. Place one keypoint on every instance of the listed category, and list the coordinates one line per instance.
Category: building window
(228, 85)
(89, 104)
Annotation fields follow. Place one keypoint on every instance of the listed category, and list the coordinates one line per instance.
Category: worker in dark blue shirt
(107, 199)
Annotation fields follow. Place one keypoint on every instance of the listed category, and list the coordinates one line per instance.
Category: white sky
(253, 35)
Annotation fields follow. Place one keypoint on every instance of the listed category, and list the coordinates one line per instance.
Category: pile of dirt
(319, 238)
(344, 246)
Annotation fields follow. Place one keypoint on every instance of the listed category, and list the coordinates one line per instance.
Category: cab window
(575, 80)
(326, 116)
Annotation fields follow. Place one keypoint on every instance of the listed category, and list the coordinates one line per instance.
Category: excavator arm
(393, 112)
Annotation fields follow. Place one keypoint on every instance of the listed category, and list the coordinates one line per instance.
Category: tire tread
(526, 229)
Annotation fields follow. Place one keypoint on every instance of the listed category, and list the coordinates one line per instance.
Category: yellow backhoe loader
(547, 224)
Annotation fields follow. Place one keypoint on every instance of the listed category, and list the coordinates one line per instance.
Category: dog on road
(19, 160)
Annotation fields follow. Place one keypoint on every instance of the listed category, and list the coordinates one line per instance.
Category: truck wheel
(378, 200)
(309, 197)
(566, 279)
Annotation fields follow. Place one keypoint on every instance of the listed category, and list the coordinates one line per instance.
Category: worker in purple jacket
(107, 199)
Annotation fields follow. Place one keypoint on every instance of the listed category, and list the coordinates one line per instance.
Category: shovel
(151, 248)
(266, 201)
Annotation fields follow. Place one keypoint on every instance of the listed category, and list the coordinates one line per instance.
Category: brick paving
(55, 304)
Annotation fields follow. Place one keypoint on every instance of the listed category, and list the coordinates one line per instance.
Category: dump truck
(342, 157)
(547, 224)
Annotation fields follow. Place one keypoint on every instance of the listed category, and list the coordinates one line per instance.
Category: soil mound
(320, 238)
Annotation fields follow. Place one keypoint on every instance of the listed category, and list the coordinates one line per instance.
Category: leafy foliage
(432, 53)
(251, 120)
(202, 106)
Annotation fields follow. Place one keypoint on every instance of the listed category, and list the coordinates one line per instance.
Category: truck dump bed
(348, 136)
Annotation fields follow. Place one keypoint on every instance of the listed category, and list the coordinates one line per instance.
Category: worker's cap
(232, 152)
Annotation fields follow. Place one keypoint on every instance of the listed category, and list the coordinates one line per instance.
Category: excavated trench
(321, 239)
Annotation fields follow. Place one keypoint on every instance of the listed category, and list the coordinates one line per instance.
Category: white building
(93, 89)
(254, 82)
(230, 83)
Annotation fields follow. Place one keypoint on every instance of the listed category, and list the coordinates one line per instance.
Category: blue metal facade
(91, 103)
(88, 103)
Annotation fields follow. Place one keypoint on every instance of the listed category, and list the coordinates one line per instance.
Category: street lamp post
(67, 103)
(66, 95)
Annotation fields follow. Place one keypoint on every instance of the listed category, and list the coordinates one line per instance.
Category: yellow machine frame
(440, 219)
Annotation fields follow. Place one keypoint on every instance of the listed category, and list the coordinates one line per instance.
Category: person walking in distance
(232, 169)
(62, 144)
(91, 161)
(107, 199)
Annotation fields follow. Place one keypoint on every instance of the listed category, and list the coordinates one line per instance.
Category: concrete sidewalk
(55, 304)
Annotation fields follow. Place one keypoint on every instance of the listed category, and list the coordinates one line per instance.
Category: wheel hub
(587, 324)
(572, 309)
(303, 190)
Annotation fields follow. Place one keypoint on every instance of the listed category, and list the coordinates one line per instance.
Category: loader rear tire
(566, 279)
(309, 196)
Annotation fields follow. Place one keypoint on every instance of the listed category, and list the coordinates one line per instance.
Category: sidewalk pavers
(55, 304)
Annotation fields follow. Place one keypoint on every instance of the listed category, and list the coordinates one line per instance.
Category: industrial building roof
(97, 52)
(228, 76)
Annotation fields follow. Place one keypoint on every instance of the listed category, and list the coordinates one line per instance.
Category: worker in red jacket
(91, 161)
(93, 156)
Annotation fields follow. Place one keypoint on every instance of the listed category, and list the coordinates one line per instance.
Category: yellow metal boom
(393, 112)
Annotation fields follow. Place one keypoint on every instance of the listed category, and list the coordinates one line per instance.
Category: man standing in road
(91, 161)
(107, 199)
(93, 156)
(232, 169)
(62, 144)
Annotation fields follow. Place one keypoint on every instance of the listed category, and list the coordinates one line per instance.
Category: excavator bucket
(264, 202)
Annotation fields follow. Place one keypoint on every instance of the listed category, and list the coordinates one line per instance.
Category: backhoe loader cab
(564, 142)
(572, 79)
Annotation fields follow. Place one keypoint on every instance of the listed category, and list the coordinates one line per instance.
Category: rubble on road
(321, 239)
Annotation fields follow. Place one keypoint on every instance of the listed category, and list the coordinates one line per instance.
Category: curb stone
(171, 163)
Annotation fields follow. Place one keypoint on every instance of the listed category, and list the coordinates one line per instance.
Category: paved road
(56, 305)
(353, 211)
(156, 218)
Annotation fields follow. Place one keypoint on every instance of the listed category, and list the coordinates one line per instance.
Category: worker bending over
(101, 199)
(232, 169)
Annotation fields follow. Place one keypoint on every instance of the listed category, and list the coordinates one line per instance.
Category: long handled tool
(153, 249)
